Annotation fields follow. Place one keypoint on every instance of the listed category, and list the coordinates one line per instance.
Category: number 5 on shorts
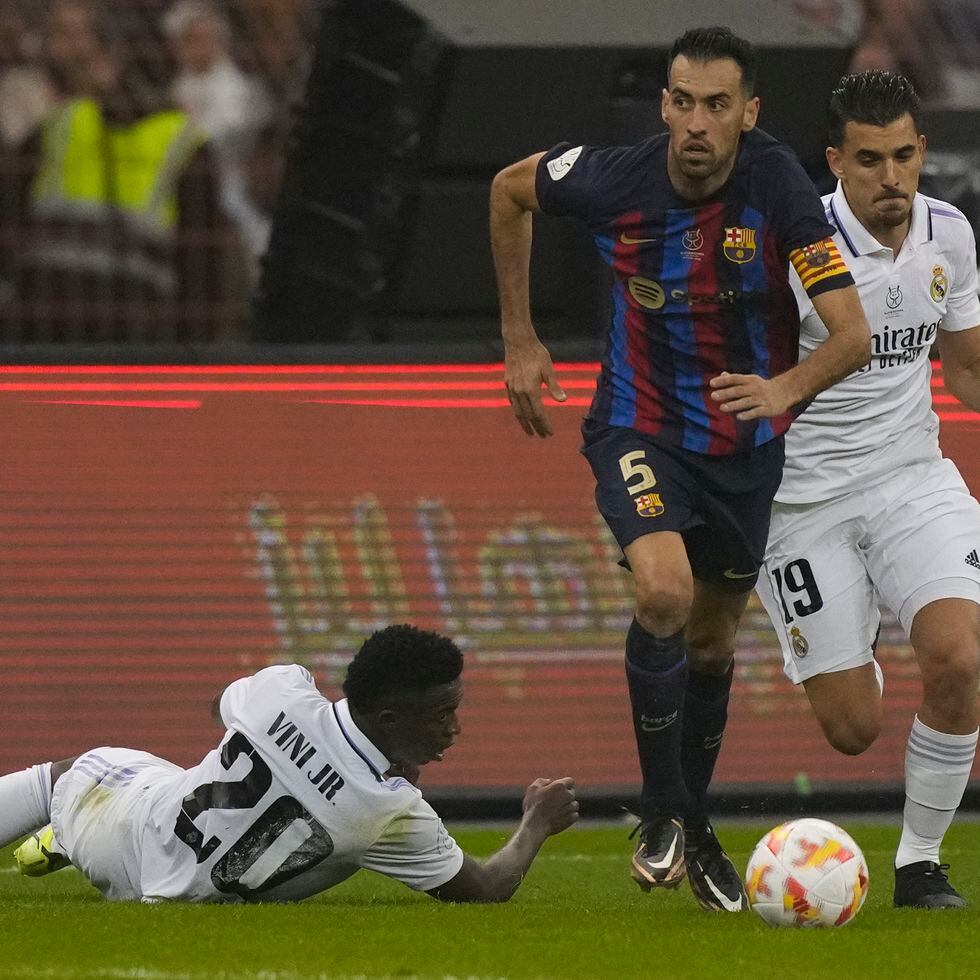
(631, 469)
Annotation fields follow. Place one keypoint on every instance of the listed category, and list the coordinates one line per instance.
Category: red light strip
(438, 402)
(267, 385)
(573, 366)
(169, 403)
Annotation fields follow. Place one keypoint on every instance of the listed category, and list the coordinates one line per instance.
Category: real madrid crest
(799, 642)
(939, 285)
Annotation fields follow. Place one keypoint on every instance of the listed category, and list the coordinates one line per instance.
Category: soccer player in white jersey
(869, 511)
(300, 794)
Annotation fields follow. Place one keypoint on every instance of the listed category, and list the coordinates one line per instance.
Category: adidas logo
(973, 559)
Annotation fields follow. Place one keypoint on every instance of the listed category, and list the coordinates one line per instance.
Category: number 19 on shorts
(796, 579)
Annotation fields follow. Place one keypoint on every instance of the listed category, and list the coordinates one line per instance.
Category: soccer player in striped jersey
(699, 382)
(868, 511)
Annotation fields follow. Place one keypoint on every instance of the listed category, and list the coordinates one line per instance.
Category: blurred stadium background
(250, 393)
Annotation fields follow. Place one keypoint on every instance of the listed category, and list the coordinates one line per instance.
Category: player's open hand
(551, 804)
(750, 397)
(526, 369)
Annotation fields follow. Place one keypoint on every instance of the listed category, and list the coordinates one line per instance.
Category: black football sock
(656, 671)
(705, 717)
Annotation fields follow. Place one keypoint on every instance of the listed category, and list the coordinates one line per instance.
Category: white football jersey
(294, 800)
(880, 417)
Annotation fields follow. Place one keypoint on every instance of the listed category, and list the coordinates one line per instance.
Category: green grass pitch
(577, 916)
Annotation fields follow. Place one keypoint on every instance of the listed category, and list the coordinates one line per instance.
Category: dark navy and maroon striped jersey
(698, 288)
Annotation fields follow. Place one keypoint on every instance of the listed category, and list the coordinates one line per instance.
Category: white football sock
(25, 802)
(937, 769)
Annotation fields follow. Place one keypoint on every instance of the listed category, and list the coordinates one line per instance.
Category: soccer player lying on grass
(300, 794)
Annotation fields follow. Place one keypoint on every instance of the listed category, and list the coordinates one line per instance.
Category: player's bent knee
(951, 669)
(662, 608)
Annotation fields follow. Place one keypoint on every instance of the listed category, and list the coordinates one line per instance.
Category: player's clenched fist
(552, 804)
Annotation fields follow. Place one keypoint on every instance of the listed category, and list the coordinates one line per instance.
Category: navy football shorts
(719, 504)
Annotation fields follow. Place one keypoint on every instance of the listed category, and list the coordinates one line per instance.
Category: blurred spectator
(278, 34)
(26, 94)
(209, 86)
(121, 237)
(230, 106)
(959, 22)
(902, 35)
(74, 42)
(935, 43)
(842, 17)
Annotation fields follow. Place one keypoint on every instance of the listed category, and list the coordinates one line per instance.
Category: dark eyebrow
(677, 90)
(864, 151)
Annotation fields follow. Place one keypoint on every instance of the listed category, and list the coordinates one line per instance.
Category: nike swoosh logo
(725, 901)
(731, 573)
(668, 859)
(626, 240)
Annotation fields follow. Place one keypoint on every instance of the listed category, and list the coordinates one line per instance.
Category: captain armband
(820, 267)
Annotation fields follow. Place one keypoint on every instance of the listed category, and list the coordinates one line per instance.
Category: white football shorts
(99, 810)
(903, 542)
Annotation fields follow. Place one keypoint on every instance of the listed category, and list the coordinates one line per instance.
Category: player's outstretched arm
(960, 352)
(527, 363)
(847, 348)
(549, 808)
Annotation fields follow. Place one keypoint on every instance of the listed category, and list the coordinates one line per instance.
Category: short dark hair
(712, 44)
(397, 660)
(876, 98)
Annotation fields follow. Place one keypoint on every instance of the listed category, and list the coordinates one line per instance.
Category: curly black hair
(876, 98)
(398, 659)
(713, 44)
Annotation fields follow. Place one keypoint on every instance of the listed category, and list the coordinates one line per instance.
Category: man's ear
(834, 161)
(387, 719)
(750, 116)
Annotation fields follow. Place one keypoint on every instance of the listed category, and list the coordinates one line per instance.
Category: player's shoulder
(943, 209)
(948, 225)
(759, 149)
(282, 680)
(288, 673)
(772, 174)
(602, 161)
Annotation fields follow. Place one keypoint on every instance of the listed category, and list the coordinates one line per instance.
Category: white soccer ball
(808, 874)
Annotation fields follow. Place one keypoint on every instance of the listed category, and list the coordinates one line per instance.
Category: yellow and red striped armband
(820, 267)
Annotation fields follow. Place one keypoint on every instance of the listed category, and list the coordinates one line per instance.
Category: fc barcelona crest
(649, 505)
(739, 245)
